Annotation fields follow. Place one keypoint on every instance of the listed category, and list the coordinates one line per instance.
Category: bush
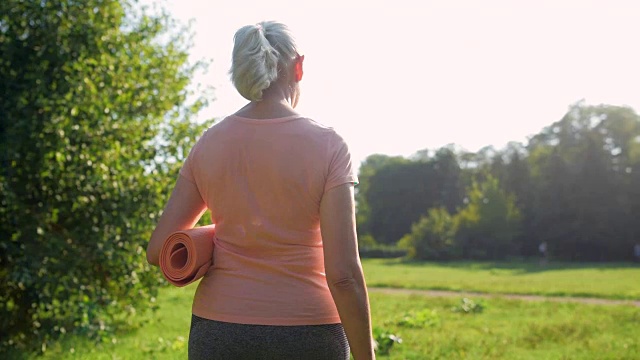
(382, 252)
(431, 238)
(367, 241)
(92, 131)
(368, 247)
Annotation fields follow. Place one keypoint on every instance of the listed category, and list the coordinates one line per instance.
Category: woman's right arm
(344, 270)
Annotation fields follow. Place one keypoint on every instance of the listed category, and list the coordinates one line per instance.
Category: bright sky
(395, 77)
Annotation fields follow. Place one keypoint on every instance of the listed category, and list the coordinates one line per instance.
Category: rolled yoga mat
(187, 255)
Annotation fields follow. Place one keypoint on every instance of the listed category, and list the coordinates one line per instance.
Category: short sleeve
(341, 167)
(188, 167)
(186, 171)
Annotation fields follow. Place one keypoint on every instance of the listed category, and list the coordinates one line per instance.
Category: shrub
(92, 132)
(431, 238)
(382, 252)
(367, 241)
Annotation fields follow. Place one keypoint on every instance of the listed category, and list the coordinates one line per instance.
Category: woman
(286, 280)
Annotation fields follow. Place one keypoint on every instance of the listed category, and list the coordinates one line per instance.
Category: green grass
(506, 329)
(511, 329)
(612, 281)
(164, 336)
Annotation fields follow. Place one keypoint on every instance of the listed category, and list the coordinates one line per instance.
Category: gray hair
(260, 52)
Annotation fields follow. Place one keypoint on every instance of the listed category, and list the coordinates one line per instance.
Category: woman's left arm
(184, 209)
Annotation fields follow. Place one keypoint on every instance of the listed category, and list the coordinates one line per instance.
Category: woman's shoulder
(321, 127)
(317, 124)
(303, 124)
(330, 136)
(216, 127)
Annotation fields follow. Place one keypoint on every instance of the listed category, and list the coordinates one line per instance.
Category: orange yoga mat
(187, 255)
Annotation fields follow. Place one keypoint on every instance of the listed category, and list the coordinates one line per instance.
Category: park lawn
(164, 334)
(506, 329)
(612, 281)
(511, 329)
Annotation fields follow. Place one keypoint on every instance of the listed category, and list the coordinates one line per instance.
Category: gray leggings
(210, 339)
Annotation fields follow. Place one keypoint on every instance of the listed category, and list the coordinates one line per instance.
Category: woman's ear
(298, 72)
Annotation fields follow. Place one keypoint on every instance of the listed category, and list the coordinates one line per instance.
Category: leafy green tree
(517, 181)
(368, 169)
(447, 178)
(574, 186)
(395, 192)
(398, 195)
(511, 168)
(432, 237)
(620, 132)
(552, 208)
(486, 228)
(94, 123)
(582, 175)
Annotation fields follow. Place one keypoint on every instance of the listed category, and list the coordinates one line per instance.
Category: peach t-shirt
(263, 180)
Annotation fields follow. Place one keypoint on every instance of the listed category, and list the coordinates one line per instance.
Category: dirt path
(444, 293)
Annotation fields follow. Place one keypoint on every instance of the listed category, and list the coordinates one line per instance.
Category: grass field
(610, 281)
(505, 329)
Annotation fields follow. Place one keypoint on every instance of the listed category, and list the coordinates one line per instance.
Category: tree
(398, 195)
(447, 177)
(582, 175)
(432, 237)
(489, 223)
(94, 124)
(510, 167)
(395, 192)
(368, 169)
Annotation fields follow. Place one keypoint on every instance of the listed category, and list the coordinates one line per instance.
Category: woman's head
(263, 54)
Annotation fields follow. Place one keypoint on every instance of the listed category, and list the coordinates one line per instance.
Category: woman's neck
(275, 103)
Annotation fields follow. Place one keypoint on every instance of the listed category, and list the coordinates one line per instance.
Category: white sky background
(395, 77)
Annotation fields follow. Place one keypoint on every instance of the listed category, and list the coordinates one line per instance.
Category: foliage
(485, 228)
(382, 252)
(488, 225)
(367, 241)
(421, 319)
(395, 192)
(368, 168)
(468, 306)
(575, 186)
(432, 238)
(384, 340)
(368, 247)
(94, 122)
(585, 175)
